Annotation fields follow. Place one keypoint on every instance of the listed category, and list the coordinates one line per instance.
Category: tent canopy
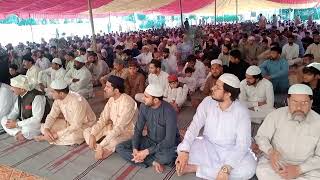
(78, 8)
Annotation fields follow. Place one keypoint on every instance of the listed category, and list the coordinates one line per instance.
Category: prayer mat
(8, 173)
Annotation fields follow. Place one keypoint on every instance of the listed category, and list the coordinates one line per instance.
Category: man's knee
(166, 157)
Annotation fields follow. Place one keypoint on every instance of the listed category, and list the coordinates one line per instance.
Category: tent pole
(109, 23)
(237, 11)
(92, 26)
(31, 29)
(215, 12)
(180, 4)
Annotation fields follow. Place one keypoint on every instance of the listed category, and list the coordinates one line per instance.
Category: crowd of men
(233, 77)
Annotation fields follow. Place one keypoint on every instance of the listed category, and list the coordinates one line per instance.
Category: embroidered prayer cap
(172, 78)
(315, 65)
(230, 79)
(253, 70)
(117, 82)
(20, 81)
(300, 89)
(59, 84)
(216, 61)
(57, 61)
(80, 59)
(154, 90)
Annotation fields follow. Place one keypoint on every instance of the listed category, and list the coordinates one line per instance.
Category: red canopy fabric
(293, 1)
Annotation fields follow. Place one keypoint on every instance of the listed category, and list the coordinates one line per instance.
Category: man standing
(79, 79)
(257, 93)
(158, 147)
(29, 110)
(77, 116)
(289, 139)
(116, 123)
(223, 150)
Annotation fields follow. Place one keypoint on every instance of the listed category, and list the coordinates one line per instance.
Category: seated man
(223, 150)
(76, 112)
(79, 79)
(311, 77)
(118, 70)
(135, 82)
(29, 110)
(289, 139)
(97, 67)
(7, 99)
(257, 93)
(116, 123)
(158, 147)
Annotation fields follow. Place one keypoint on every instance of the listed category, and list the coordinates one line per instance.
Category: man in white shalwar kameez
(70, 115)
(80, 78)
(223, 152)
(7, 99)
(289, 138)
(32, 72)
(257, 93)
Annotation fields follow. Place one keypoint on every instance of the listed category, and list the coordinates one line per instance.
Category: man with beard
(237, 66)
(215, 72)
(290, 51)
(98, 68)
(314, 48)
(80, 79)
(42, 62)
(158, 147)
(289, 139)
(257, 93)
(223, 151)
(117, 120)
(32, 72)
(311, 77)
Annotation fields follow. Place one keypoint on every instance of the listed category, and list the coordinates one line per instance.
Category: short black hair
(235, 53)
(13, 66)
(71, 53)
(156, 63)
(258, 76)
(65, 90)
(233, 91)
(28, 58)
(92, 54)
(191, 58)
(311, 56)
(276, 49)
(312, 70)
(189, 70)
(120, 88)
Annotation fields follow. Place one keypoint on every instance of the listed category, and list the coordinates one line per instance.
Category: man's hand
(274, 157)
(75, 80)
(140, 156)
(41, 86)
(49, 136)
(181, 162)
(11, 123)
(92, 142)
(290, 172)
(222, 176)
(262, 103)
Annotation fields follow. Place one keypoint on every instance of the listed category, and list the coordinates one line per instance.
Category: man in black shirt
(237, 66)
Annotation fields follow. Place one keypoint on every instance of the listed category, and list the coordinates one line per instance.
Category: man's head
(290, 40)
(188, 71)
(299, 101)
(173, 81)
(69, 56)
(316, 37)
(307, 59)
(225, 50)
(227, 88)
(53, 49)
(93, 58)
(253, 75)
(13, 68)
(79, 62)
(165, 53)
(311, 73)
(251, 40)
(275, 53)
(216, 68)
(133, 68)
(56, 63)
(40, 54)
(59, 89)
(145, 49)
(153, 95)
(235, 56)
(191, 59)
(27, 61)
(155, 67)
(19, 85)
(118, 65)
(114, 86)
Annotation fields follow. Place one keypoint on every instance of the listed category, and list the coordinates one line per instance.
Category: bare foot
(188, 169)
(159, 168)
(19, 137)
(101, 153)
(39, 138)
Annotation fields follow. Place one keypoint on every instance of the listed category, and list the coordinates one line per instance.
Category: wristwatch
(225, 169)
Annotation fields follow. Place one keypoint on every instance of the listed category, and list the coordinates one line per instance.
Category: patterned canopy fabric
(76, 8)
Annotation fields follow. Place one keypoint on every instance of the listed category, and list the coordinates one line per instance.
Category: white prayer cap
(230, 79)
(89, 50)
(57, 61)
(216, 61)
(33, 50)
(227, 39)
(315, 65)
(300, 89)
(154, 90)
(81, 59)
(251, 38)
(20, 81)
(253, 70)
(58, 84)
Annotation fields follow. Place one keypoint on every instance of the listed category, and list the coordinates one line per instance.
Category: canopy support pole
(181, 17)
(237, 11)
(215, 12)
(109, 23)
(92, 26)
(31, 29)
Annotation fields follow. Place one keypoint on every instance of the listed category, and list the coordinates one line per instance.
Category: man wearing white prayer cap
(158, 147)
(29, 110)
(289, 139)
(80, 79)
(311, 77)
(77, 115)
(223, 150)
(257, 93)
(55, 72)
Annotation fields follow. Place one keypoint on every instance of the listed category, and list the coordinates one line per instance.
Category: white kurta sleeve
(68, 77)
(8, 100)
(266, 132)
(182, 95)
(313, 162)
(14, 113)
(53, 115)
(38, 107)
(269, 100)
